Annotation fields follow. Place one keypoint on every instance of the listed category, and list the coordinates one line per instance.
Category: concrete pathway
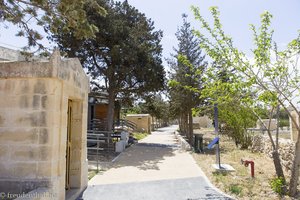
(155, 168)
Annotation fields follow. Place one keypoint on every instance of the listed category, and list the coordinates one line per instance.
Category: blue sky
(236, 15)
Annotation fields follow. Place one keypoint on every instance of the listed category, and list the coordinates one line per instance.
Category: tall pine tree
(124, 58)
(188, 66)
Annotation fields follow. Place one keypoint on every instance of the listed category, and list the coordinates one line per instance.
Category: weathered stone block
(18, 135)
(45, 136)
(15, 186)
(31, 119)
(4, 153)
(5, 170)
(25, 170)
(25, 153)
(44, 169)
(45, 153)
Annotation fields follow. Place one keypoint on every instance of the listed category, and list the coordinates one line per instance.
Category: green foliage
(153, 105)
(187, 66)
(284, 123)
(277, 185)
(266, 81)
(236, 119)
(139, 136)
(67, 14)
(235, 189)
(125, 56)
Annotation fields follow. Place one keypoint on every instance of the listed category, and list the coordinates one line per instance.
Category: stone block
(45, 136)
(25, 170)
(55, 169)
(25, 153)
(5, 117)
(9, 102)
(45, 153)
(44, 169)
(4, 153)
(31, 119)
(18, 135)
(5, 170)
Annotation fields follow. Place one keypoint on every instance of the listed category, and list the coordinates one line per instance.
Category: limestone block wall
(143, 121)
(262, 144)
(34, 125)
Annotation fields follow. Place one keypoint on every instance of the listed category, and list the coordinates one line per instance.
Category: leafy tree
(267, 81)
(50, 15)
(153, 105)
(125, 56)
(157, 108)
(220, 87)
(188, 65)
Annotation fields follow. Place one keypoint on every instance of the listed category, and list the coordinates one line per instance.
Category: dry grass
(239, 183)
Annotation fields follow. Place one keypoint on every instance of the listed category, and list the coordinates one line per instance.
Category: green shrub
(235, 189)
(277, 185)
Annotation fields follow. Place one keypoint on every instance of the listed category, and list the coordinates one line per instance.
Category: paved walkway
(155, 168)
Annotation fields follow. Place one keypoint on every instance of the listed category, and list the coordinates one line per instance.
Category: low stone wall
(184, 145)
(262, 144)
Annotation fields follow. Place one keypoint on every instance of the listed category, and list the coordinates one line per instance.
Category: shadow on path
(145, 156)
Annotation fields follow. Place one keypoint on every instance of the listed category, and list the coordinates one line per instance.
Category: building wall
(10, 55)
(203, 122)
(273, 124)
(293, 128)
(33, 125)
(143, 121)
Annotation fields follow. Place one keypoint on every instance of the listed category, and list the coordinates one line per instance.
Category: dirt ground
(239, 183)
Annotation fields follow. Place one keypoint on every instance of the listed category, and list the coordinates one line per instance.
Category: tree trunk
(190, 131)
(278, 169)
(186, 125)
(180, 123)
(111, 110)
(295, 169)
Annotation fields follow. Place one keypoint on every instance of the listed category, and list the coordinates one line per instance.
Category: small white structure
(273, 124)
(202, 122)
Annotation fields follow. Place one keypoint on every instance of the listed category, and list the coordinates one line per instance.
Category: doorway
(68, 145)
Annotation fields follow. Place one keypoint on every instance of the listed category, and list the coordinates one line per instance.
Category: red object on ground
(246, 163)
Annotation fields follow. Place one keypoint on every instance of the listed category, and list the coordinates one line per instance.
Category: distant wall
(10, 55)
(202, 122)
(262, 144)
(143, 121)
(273, 124)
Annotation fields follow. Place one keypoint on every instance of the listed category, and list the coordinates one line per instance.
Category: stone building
(202, 122)
(142, 121)
(43, 119)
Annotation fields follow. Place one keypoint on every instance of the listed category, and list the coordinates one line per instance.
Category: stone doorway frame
(73, 141)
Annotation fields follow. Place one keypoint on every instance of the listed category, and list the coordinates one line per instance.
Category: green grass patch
(235, 189)
(91, 174)
(139, 135)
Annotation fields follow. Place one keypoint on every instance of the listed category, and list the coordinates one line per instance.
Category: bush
(235, 120)
(277, 185)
